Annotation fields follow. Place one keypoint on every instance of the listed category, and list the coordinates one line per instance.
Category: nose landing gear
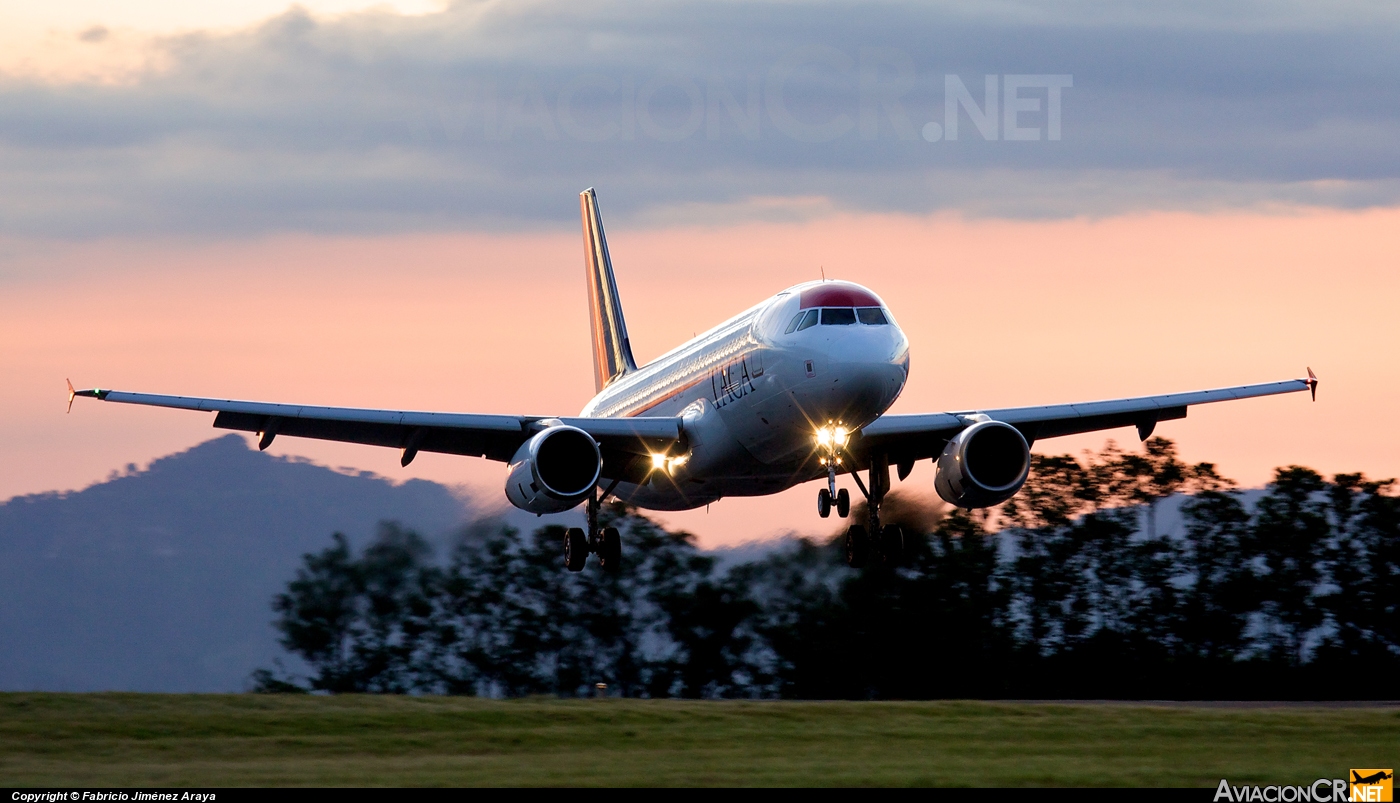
(841, 502)
(605, 543)
(863, 542)
(829, 496)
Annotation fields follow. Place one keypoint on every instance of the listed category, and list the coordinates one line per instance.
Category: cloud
(96, 33)
(494, 115)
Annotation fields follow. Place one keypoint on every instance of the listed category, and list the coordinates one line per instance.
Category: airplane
(1373, 778)
(791, 390)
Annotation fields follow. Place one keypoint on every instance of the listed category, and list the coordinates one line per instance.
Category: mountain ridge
(160, 579)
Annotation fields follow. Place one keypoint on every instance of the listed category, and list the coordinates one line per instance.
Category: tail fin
(612, 352)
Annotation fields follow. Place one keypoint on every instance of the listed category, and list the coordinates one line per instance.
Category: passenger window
(838, 316)
(872, 315)
(796, 319)
(808, 320)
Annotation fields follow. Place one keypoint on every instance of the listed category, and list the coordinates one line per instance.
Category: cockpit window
(838, 316)
(871, 315)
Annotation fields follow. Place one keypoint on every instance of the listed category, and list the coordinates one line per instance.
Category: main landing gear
(605, 543)
(862, 550)
(869, 543)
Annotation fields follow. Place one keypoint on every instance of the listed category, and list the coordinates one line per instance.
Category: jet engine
(984, 465)
(554, 470)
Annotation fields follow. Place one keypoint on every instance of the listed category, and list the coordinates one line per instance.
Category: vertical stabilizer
(612, 353)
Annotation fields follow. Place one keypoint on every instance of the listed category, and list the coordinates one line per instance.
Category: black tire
(575, 549)
(823, 503)
(857, 546)
(610, 550)
(892, 545)
(843, 503)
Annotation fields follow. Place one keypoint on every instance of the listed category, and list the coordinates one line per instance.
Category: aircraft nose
(859, 372)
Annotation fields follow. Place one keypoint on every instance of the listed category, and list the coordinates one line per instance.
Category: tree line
(1072, 589)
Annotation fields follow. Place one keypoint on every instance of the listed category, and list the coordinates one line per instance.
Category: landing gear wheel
(575, 548)
(610, 550)
(892, 545)
(857, 546)
(843, 503)
(824, 503)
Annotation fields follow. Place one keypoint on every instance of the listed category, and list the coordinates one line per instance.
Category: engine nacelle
(985, 465)
(554, 470)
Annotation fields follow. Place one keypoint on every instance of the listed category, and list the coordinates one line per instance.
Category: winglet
(1312, 383)
(96, 393)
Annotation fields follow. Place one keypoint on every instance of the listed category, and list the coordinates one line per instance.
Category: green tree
(1077, 593)
(359, 623)
(1363, 566)
(509, 621)
(1283, 553)
(1218, 601)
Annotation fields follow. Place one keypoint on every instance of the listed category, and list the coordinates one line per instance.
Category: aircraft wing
(626, 443)
(907, 438)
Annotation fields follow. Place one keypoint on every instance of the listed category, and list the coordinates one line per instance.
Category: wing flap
(914, 437)
(499, 423)
(494, 437)
(1059, 427)
(491, 444)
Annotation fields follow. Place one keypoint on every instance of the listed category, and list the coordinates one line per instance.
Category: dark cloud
(495, 115)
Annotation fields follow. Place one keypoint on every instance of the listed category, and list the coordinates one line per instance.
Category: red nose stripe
(838, 295)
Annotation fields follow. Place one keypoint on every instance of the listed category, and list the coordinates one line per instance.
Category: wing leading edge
(907, 438)
(626, 443)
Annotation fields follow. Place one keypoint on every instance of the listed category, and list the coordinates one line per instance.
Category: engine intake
(984, 465)
(554, 470)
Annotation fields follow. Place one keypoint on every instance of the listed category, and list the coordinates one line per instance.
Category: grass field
(230, 740)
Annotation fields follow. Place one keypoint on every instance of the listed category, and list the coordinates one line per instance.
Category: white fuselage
(754, 390)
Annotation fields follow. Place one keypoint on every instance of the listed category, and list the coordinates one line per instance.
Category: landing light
(667, 464)
(833, 435)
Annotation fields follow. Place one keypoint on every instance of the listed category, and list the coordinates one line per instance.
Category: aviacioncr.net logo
(1371, 786)
(1323, 790)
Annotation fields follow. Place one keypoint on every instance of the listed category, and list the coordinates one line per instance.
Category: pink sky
(998, 313)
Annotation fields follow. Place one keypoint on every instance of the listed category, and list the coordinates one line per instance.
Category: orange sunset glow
(998, 312)
(374, 204)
